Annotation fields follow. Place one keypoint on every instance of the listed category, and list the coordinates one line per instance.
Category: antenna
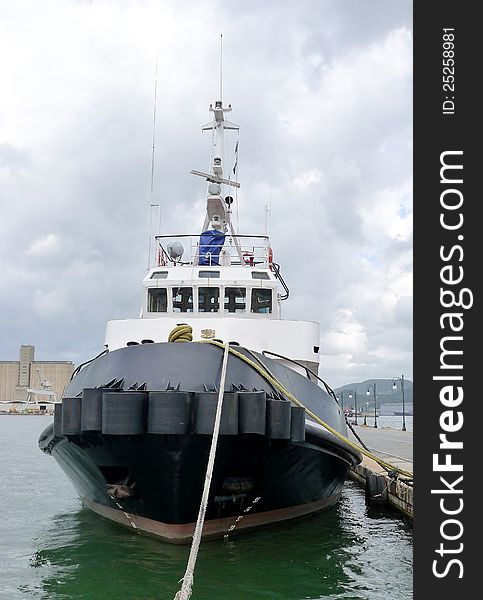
(221, 66)
(154, 128)
(268, 214)
(151, 202)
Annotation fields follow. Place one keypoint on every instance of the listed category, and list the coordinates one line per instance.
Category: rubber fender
(278, 419)
(376, 489)
(297, 424)
(124, 413)
(58, 420)
(169, 412)
(91, 413)
(252, 412)
(71, 416)
(205, 412)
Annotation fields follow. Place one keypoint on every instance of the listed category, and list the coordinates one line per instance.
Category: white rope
(186, 587)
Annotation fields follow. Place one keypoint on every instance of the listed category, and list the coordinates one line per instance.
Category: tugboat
(134, 427)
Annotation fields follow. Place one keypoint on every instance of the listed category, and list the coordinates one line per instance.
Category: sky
(322, 90)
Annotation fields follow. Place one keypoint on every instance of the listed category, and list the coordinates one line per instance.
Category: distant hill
(384, 391)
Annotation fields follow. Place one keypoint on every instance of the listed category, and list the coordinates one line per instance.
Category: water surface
(51, 548)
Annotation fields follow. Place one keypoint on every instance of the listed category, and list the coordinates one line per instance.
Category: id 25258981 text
(448, 71)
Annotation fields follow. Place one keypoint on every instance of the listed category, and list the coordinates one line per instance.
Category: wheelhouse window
(182, 299)
(157, 300)
(209, 274)
(159, 275)
(261, 301)
(235, 299)
(260, 275)
(208, 299)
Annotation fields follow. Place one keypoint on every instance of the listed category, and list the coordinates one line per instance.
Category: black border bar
(447, 514)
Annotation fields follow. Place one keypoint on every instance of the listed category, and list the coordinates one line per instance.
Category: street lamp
(375, 403)
(355, 404)
(394, 387)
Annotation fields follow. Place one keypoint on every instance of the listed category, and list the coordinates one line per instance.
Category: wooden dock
(395, 447)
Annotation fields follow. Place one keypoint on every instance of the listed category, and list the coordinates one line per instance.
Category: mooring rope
(265, 372)
(187, 582)
(268, 375)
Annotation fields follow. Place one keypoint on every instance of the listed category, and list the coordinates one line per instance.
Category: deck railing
(244, 250)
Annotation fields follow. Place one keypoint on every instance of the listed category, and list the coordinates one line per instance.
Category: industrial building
(33, 380)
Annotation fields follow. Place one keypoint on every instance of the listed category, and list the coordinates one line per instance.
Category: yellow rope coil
(181, 333)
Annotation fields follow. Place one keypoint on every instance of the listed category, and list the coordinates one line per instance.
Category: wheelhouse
(216, 291)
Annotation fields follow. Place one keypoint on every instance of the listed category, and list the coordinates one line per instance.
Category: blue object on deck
(211, 243)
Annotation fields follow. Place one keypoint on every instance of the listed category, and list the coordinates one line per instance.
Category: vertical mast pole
(219, 116)
(151, 200)
(221, 67)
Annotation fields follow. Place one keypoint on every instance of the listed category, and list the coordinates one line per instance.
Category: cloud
(322, 91)
(347, 336)
(51, 305)
(13, 157)
(49, 244)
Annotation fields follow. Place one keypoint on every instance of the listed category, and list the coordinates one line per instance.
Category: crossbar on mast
(214, 178)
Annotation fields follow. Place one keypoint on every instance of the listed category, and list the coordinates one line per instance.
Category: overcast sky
(322, 90)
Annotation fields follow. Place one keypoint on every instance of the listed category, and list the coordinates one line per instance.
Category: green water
(52, 548)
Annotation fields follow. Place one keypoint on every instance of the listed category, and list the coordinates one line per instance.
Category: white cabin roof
(199, 275)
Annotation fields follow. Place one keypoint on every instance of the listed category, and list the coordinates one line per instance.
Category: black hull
(153, 482)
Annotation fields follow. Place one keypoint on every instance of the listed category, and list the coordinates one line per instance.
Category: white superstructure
(225, 285)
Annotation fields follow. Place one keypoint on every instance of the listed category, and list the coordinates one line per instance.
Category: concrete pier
(394, 447)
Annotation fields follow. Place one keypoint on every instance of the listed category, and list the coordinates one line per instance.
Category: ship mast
(218, 211)
(216, 178)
